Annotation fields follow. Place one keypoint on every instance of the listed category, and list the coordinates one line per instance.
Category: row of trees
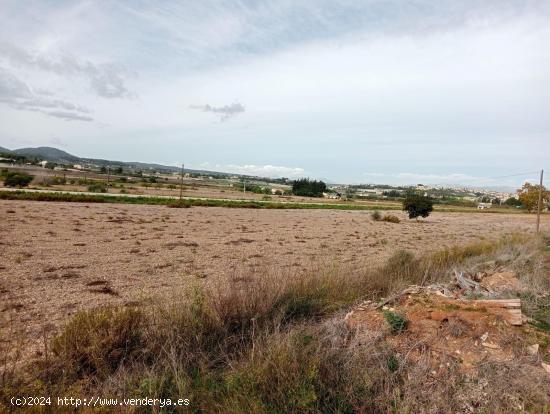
(16, 178)
(308, 188)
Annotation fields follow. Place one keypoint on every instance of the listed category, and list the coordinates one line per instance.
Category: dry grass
(266, 344)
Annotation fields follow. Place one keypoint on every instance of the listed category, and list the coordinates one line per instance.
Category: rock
(533, 349)
(501, 282)
(545, 366)
(490, 345)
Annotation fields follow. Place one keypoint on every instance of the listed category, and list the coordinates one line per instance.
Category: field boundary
(86, 197)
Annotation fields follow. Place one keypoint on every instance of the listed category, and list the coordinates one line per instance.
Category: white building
(484, 206)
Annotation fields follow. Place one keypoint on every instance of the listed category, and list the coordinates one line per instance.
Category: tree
(513, 202)
(417, 205)
(17, 179)
(529, 196)
(308, 188)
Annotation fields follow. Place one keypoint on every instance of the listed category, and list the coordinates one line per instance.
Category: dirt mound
(441, 326)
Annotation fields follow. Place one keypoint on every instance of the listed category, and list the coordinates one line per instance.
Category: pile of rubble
(475, 318)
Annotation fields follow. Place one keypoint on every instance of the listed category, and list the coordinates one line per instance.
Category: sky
(365, 91)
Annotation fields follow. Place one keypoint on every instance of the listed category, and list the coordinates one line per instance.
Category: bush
(17, 179)
(97, 188)
(391, 218)
(97, 342)
(398, 323)
(376, 216)
(57, 180)
(514, 202)
(417, 205)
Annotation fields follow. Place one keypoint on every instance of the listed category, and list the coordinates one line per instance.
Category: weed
(391, 218)
(398, 323)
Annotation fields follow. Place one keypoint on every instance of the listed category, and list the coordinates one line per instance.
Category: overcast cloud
(225, 112)
(377, 91)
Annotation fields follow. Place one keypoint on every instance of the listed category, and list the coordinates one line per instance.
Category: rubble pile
(475, 318)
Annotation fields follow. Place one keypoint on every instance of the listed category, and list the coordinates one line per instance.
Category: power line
(515, 175)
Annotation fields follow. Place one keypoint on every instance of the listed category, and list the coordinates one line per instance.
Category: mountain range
(62, 157)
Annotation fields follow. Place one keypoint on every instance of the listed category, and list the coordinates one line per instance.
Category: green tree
(308, 188)
(512, 201)
(17, 179)
(417, 205)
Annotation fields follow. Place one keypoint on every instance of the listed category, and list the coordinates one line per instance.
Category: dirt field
(58, 258)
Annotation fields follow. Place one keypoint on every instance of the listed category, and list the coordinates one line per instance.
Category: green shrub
(398, 323)
(17, 179)
(56, 180)
(376, 216)
(97, 188)
(417, 205)
(393, 363)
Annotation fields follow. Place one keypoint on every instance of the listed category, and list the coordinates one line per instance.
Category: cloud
(68, 116)
(18, 95)
(12, 88)
(272, 171)
(105, 79)
(225, 112)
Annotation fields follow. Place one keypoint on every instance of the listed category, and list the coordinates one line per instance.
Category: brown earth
(58, 258)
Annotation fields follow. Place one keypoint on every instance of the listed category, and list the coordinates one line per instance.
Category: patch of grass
(97, 342)
(397, 323)
(97, 188)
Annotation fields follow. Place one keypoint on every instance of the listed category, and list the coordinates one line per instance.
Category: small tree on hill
(17, 179)
(417, 205)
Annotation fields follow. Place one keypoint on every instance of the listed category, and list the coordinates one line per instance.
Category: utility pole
(108, 175)
(181, 182)
(539, 207)
(244, 186)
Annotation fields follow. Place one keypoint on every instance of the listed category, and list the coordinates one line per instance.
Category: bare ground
(57, 258)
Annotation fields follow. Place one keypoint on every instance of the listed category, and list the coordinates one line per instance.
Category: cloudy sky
(386, 91)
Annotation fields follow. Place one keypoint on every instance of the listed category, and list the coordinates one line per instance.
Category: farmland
(59, 258)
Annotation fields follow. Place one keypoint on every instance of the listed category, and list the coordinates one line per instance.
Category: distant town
(58, 166)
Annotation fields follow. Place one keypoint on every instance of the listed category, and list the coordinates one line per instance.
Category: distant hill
(62, 157)
(48, 154)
